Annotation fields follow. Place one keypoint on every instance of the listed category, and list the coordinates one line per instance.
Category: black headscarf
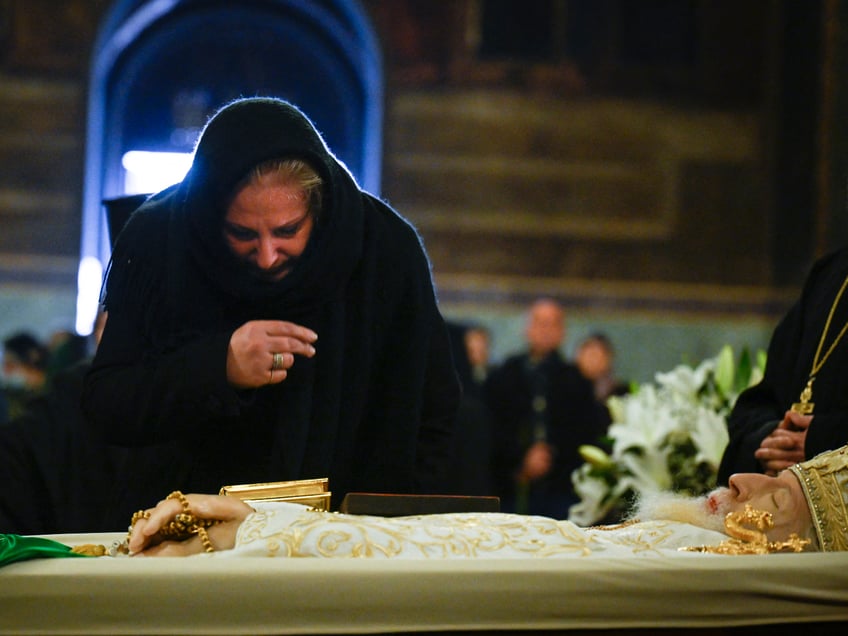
(239, 137)
(373, 409)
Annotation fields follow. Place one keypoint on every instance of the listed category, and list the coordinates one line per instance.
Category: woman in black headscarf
(197, 313)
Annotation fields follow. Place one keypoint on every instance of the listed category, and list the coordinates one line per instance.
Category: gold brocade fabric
(824, 479)
(284, 530)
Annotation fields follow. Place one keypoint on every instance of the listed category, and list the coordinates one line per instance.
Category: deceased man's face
(782, 496)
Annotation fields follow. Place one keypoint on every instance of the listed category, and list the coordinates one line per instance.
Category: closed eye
(780, 499)
(238, 233)
(288, 231)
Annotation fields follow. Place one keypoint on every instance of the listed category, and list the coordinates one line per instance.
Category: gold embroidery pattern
(322, 534)
(824, 479)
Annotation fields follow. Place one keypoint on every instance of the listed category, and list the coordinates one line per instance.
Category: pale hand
(145, 539)
(250, 356)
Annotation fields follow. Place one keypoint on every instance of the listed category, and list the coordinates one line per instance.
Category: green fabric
(14, 547)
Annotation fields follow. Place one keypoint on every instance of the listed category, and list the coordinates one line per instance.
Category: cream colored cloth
(292, 530)
(655, 590)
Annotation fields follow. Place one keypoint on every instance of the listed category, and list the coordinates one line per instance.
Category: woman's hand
(262, 351)
(147, 540)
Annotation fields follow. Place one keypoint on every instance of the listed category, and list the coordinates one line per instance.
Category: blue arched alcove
(160, 67)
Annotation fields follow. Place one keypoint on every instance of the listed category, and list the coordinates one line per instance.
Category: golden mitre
(824, 479)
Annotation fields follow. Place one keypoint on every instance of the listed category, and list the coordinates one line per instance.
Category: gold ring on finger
(277, 365)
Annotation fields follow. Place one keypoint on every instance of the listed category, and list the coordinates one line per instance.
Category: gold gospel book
(310, 492)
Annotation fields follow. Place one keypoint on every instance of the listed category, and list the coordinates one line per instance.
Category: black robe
(56, 477)
(790, 357)
(373, 410)
(568, 414)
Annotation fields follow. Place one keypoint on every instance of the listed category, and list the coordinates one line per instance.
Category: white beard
(671, 506)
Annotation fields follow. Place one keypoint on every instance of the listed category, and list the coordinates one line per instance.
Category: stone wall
(641, 194)
(44, 48)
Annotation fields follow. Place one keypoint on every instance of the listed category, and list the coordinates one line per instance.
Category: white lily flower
(683, 409)
(710, 437)
(591, 492)
(648, 471)
(684, 380)
(645, 422)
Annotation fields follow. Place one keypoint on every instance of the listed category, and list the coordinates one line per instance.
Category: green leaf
(761, 360)
(725, 371)
(743, 371)
(594, 456)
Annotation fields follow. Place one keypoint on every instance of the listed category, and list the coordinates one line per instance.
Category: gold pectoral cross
(805, 407)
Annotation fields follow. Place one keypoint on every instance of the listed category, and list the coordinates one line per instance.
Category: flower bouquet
(666, 435)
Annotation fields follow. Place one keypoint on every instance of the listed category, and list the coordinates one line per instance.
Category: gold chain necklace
(805, 406)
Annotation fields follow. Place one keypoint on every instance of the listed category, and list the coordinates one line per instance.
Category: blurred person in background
(542, 410)
(595, 357)
(470, 466)
(24, 371)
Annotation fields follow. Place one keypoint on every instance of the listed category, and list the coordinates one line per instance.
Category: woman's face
(267, 226)
(781, 495)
